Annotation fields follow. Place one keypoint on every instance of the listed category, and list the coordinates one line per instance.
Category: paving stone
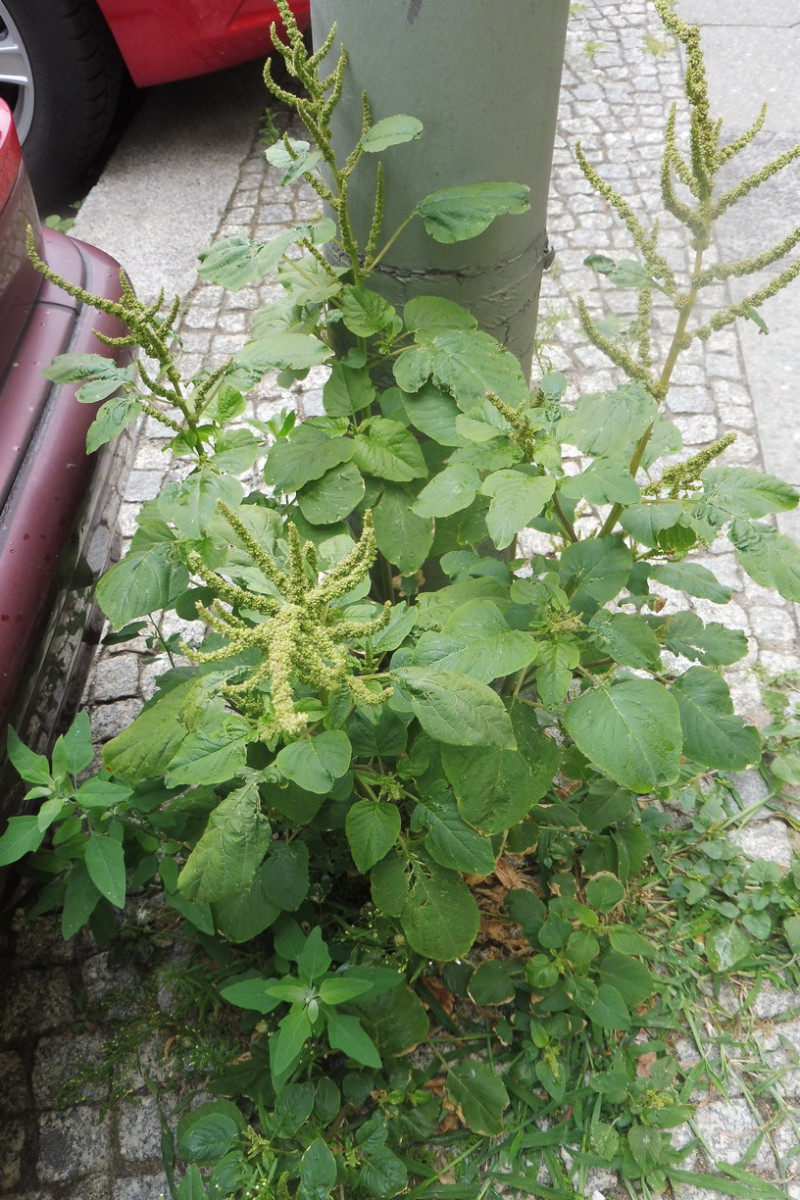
(59, 1062)
(14, 1074)
(11, 1144)
(140, 1130)
(148, 1187)
(40, 1001)
(72, 1144)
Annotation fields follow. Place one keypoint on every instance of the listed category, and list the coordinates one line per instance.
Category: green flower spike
(299, 641)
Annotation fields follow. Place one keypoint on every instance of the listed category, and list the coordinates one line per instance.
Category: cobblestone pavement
(619, 79)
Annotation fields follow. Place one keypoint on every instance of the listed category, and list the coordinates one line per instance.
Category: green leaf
(347, 391)
(645, 1143)
(284, 875)
(252, 994)
(211, 754)
(630, 977)
(293, 156)
(315, 763)
(725, 947)
(738, 492)
(440, 917)
(435, 314)
(603, 482)
(32, 767)
(317, 1172)
(607, 423)
(192, 1187)
(448, 492)
(77, 743)
(308, 453)
(314, 959)
(81, 898)
(454, 708)
(712, 735)
(516, 499)
(347, 1034)
(388, 450)
(604, 892)
(22, 836)
(332, 497)
(497, 788)
(713, 644)
(280, 351)
(692, 578)
(383, 1174)
(391, 131)
(791, 931)
(396, 1020)
(192, 502)
(372, 829)
(435, 414)
(286, 1043)
(608, 1009)
(208, 1138)
(403, 538)
(595, 570)
(364, 312)
(105, 862)
(390, 882)
(148, 745)
(142, 583)
(466, 363)
(629, 730)
(556, 658)
(230, 850)
(112, 417)
(248, 912)
(102, 375)
(493, 982)
(627, 639)
(647, 522)
(480, 1095)
(769, 557)
(455, 214)
(449, 840)
(342, 988)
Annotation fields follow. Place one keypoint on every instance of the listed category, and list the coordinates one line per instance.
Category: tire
(61, 73)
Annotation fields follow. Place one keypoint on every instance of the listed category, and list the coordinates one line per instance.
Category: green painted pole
(484, 78)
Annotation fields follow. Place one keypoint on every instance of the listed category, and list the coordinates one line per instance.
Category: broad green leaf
(284, 875)
(769, 557)
(347, 1034)
(604, 892)
(112, 417)
(211, 754)
(340, 989)
(497, 788)
(454, 708)
(391, 131)
(230, 850)
(595, 569)
(692, 578)
(449, 840)
(434, 314)
(607, 423)
(493, 982)
(465, 363)
(448, 492)
(434, 413)
(556, 658)
(314, 763)
(646, 1144)
(480, 1095)
(630, 977)
(627, 639)
(603, 482)
(235, 262)
(455, 214)
(279, 350)
(81, 898)
(738, 492)
(364, 312)
(77, 743)
(192, 1186)
(142, 583)
(347, 391)
(629, 730)
(608, 1009)
(440, 917)
(192, 502)
(383, 1174)
(105, 862)
(286, 1044)
(317, 1172)
(647, 522)
(307, 454)
(372, 829)
(32, 767)
(248, 912)
(516, 499)
(22, 836)
(396, 1020)
(148, 745)
(332, 497)
(484, 658)
(103, 374)
(314, 958)
(713, 644)
(725, 947)
(293, 1106)
(293, 156)
(209, 1138)
(403, 538)
(712, 735)
(251, 993)
(387, 449)
(390, 882)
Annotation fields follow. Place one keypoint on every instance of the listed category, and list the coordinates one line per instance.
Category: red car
(62, 63)
(58, 505)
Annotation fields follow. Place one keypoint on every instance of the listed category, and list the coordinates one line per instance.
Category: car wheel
(61, 74)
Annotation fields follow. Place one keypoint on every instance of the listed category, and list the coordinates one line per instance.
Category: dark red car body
(57, 504)
(163, 40)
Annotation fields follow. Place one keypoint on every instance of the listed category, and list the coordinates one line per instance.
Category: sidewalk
(188, 174)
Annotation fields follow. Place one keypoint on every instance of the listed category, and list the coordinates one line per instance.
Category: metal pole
(484, 80)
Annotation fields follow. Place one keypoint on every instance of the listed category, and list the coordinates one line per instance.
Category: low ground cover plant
(409, 785)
